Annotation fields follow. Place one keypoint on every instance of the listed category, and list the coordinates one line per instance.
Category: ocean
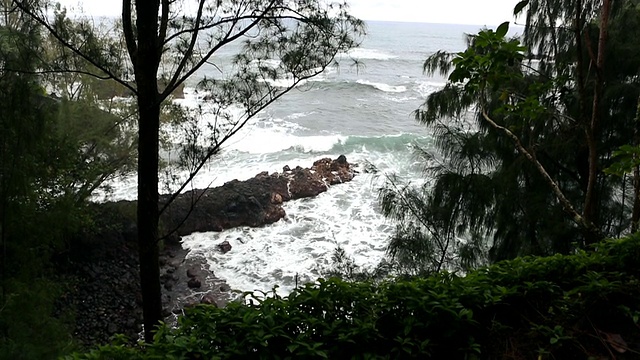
(364, 113)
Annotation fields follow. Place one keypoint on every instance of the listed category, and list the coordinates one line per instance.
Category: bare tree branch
(188, 53)
(227, 39)
(164, 24)
(42, 72)
(129, 35)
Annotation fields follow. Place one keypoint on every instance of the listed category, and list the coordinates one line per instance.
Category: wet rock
(224, 247)
(193, 272)
(191, 302)
(102, 270)
(131, 323)
(276, 199)
(208, 299)
(112, 328)
(253, 202)
(273, 214)
(194, 283)
(165, 312)
(168, 285)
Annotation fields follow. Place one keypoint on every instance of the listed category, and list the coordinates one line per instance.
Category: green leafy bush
(559, 306)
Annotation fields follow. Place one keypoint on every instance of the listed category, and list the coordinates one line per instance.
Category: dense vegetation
(54, 152)
(536, 141)
(564, 307)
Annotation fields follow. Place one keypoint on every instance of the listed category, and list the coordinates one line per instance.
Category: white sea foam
(291, 82)
(372, 54)
(262, 141)
(269, 136)
(384, 87)
(402, 99)
(284, 82)
(424, 88)
(296, 116)
(272, 63)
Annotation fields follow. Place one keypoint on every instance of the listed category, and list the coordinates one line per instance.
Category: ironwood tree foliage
(167, 41)
(523, 134)
(54, 152)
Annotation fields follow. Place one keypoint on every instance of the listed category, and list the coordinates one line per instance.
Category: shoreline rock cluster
(102, 266)
(253, 202)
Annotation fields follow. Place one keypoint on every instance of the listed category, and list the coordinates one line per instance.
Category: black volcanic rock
(253, 202)
(224, 247)
(194, 283)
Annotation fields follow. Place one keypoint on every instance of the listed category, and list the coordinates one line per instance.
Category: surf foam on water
(370, 54)
(272, 136)
(383, 87)
(424, 88)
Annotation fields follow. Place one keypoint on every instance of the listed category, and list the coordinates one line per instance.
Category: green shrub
(28, 327)
(552, 307)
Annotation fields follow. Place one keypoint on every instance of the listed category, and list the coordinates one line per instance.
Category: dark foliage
(486, 187)
(566, 307)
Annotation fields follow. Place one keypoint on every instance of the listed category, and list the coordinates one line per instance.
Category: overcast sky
(473, 12)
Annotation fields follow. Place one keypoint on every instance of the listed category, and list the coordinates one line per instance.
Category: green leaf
(502, 29)
(519, 6)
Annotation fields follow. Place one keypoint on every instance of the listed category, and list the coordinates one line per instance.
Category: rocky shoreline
(102, 267)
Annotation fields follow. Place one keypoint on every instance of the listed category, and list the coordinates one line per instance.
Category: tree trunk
(635, 215)
(148, 215)
(146, 61)
(592, 130)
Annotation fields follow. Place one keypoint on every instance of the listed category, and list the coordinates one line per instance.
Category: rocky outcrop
(103, 264)
(254, 202)
(192, 283)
